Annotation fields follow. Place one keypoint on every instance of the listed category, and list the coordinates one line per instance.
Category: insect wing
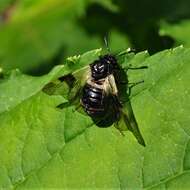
(72, 85)
(81, 76)
(131, 123)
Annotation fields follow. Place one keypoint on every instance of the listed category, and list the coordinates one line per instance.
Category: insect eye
(99, 67)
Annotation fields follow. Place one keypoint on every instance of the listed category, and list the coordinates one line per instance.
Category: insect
(100, 88)
(97, 89)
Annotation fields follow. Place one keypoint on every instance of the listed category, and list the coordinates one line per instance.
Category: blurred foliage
(35, 35)
(179, 31)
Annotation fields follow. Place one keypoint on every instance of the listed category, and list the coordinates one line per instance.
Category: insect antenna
(107, 43)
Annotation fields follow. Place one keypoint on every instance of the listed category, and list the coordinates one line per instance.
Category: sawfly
(98, 89)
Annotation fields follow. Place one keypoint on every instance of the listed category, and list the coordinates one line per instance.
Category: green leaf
(179, 32)
(43, 147)
(19, 87)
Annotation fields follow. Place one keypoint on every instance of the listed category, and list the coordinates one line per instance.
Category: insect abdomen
(93, 101)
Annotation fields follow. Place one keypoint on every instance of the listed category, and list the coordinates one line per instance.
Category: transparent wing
(75, 83)
(81, 76)
(125, 113)
(69, 86)
(131, 122)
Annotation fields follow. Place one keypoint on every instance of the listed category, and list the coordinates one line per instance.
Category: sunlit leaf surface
(44, 147)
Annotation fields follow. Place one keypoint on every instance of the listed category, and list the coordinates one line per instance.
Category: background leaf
(179, 32)
(40, 32)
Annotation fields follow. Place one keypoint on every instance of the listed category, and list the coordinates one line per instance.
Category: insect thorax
(103, 67)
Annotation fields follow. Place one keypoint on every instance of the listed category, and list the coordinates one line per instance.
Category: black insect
(98, 91)
(100, 86)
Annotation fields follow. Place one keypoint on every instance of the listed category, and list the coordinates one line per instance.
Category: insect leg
(63, 105)
(133, 85)
(107, 43)
(136, 68)
(128, 51)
